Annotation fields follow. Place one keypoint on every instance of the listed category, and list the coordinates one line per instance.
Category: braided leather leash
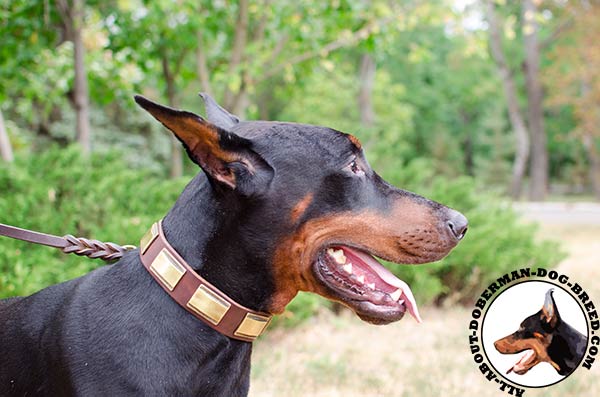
(69, 244)
(186, 287)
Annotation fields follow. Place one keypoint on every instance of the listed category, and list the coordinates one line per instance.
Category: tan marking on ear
(301, 207)
(355, 141)
(199, 136)
(192, 129)
(409, 233)
(208, 152)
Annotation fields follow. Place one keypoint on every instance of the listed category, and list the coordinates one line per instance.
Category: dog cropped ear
(549, 313)
(216, 114)
(227, 158)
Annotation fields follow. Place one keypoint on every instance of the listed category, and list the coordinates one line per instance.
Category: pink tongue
(520, 365)
(386, 276)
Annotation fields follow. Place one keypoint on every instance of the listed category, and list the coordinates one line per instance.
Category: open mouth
(524, 364)
(362, 283)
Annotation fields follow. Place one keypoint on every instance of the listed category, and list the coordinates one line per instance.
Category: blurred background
(489, 106)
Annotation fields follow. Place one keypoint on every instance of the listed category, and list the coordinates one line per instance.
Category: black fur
(114, 332)
(567, 345)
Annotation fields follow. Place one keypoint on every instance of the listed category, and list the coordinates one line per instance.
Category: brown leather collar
(195, 294)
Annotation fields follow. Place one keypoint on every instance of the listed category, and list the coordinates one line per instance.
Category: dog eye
(355, 168)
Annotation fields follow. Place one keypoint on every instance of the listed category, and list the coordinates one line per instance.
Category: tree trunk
(176, 155)
(588, 137)
(6, 152)
(510, 92)
(539, 150)
(237, 54)
(201, 64)
(81, 95)
(73, 18)
(469, 156)
(590, 123)
(365, 100)
(589, 142)
(240, 103)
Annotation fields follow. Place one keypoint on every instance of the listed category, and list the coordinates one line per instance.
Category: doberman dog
(280, 207)
(545, 337)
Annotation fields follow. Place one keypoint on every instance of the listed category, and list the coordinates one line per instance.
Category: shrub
(61, 192)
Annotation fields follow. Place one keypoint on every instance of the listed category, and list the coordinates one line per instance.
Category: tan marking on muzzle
(410, 232)
(300, 208)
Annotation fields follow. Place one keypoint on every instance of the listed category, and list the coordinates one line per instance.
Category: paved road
(561, 213)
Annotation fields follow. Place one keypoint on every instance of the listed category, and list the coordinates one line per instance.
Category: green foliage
(328, 98)
(442, 88)
(61, 192)
(437, 99)
(26, 28)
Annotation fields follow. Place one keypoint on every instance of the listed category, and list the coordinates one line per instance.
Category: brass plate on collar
(167, 269)
(208, 304)
(149, 237)
(252, 325)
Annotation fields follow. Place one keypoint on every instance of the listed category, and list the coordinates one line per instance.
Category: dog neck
(204, 228)
(567, 347)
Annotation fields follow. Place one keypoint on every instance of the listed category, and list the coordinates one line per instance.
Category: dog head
(311, 211)
(533, 337)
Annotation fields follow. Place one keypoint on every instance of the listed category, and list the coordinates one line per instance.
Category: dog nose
(457, 223)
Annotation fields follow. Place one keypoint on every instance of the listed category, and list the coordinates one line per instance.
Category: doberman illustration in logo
(544, 337)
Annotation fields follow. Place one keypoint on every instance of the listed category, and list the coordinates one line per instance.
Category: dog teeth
(338, 255)
(361, 279)
(371, 285)
(396, 294)
(347, 268)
